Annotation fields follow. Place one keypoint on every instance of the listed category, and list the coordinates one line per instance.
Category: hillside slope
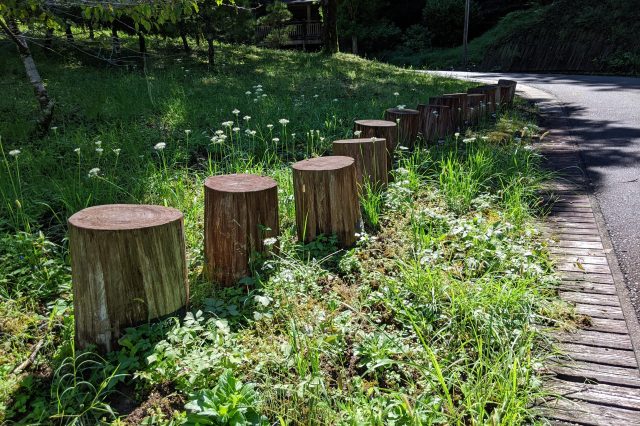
(589, 36)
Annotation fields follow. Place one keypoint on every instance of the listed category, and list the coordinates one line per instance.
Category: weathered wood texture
(326, 199)
(476, 108)
(240, 211)
(370, 155)
(387, 130)
(128, 267)
(507, 91)
(408, 125)
(492, 91)
(457, 103)
(435, 122)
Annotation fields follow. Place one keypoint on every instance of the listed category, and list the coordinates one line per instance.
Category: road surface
(604, 116)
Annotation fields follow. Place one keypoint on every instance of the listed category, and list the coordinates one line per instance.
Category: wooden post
(476, 107)
(326, 199)
(507, 90)
(128, 266)
(387, 130)
(370, 155)
(240, 211)
(409, 124)
(493, 96)
(436, 122)
(457, 103)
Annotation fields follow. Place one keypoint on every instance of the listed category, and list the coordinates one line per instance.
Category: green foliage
(444, 19)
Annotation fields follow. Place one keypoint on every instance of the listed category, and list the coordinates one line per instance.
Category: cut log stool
(436, 122)
(240, 212)
(476, 107)
(409, 125)
(457, 103)
(370, 155)
(507, 91)
(387, 130)
(492, 91)
(128, 266)
(326, 199)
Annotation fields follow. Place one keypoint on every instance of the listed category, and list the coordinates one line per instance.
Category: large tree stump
(457, 104)
(408, 125)
(492, 91)
(436, 122)
(507, 91)
(387, 130)
(370, 155)
(326, 199)
(128, 266)
(476, 108)
(240, 212)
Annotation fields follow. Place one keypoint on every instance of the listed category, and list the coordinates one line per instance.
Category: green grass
(435, 316)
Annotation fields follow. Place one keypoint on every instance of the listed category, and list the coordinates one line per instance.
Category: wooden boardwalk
(597, 380)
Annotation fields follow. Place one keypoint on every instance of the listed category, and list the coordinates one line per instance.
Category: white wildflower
(283, 121)
(236, 129)
(227, 124)
(219, 132)
(357, 133)
(246, 118)
(235, 111)
(276, 140)
(396, 94)
(248, 92)
(94, 172)
(187, 132)
(270, 241)
(116, 151)
(99, 150)
(14, 152)
(269, 126)
(77, 150)
(160, 146)
(98, 143)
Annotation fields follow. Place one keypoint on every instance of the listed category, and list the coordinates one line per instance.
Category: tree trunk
(183, 36)
(143, 50)
(91, 34)
(48, 40)
(211, 52)
(456, 102)
(476, 107)
(115, 40)
(330, 26)
(408, 125)
(67, 30)
(240, 212)
(46, 103)
(326, 199)
(387, 130)
(128, 266)
(370, 155)
(354, 44)
(436, 122)
(198, 38)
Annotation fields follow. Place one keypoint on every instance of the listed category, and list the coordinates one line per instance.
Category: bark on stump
(436, 122)
(457, 104)
(240, 212)
(128, 267)
(476, 108)
(387, 130)
(492, 91)
(409, 124)
(370, 155)
(507, 91)
(326, 199)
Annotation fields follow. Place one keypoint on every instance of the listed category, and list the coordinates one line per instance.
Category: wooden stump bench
(326, 199)
(240, 212)
(457, 103)
(492, 92)
(408, 125)
(370, 155)
(387, 130)
(436, 122)
(128, 266)
(507, 91)
(476, 108)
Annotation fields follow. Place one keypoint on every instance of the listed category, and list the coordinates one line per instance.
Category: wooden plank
(559, 207)
(579, 244)
(585, 260)
(573, 225)
(567, 214)
(583, 276)
(607, 325)
(574, 220)
(608, 374)
(598, 355)
(590, 299)
(595, 311)
(596, 338)
(576, 251)
(582, 230)
(583, 267)
(587, 413)
(587, 287)
(617, 396)
(574, 236)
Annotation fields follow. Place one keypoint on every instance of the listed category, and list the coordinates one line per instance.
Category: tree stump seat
(408, 125)
(492, 92)
(457, 103)
(370, 155)
(128, 266)
(326, 199)
(387, 130)
(241, 211)
(476, 107)
(507, 90)
(436, 122)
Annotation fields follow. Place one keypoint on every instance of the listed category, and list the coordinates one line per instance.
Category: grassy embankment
(435, 317)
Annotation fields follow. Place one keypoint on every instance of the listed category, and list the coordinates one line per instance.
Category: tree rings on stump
(128, 267)
(370, 155)
(240, 212)
(326, 199)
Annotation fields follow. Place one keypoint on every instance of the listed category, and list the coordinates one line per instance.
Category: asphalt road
(604, 116)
